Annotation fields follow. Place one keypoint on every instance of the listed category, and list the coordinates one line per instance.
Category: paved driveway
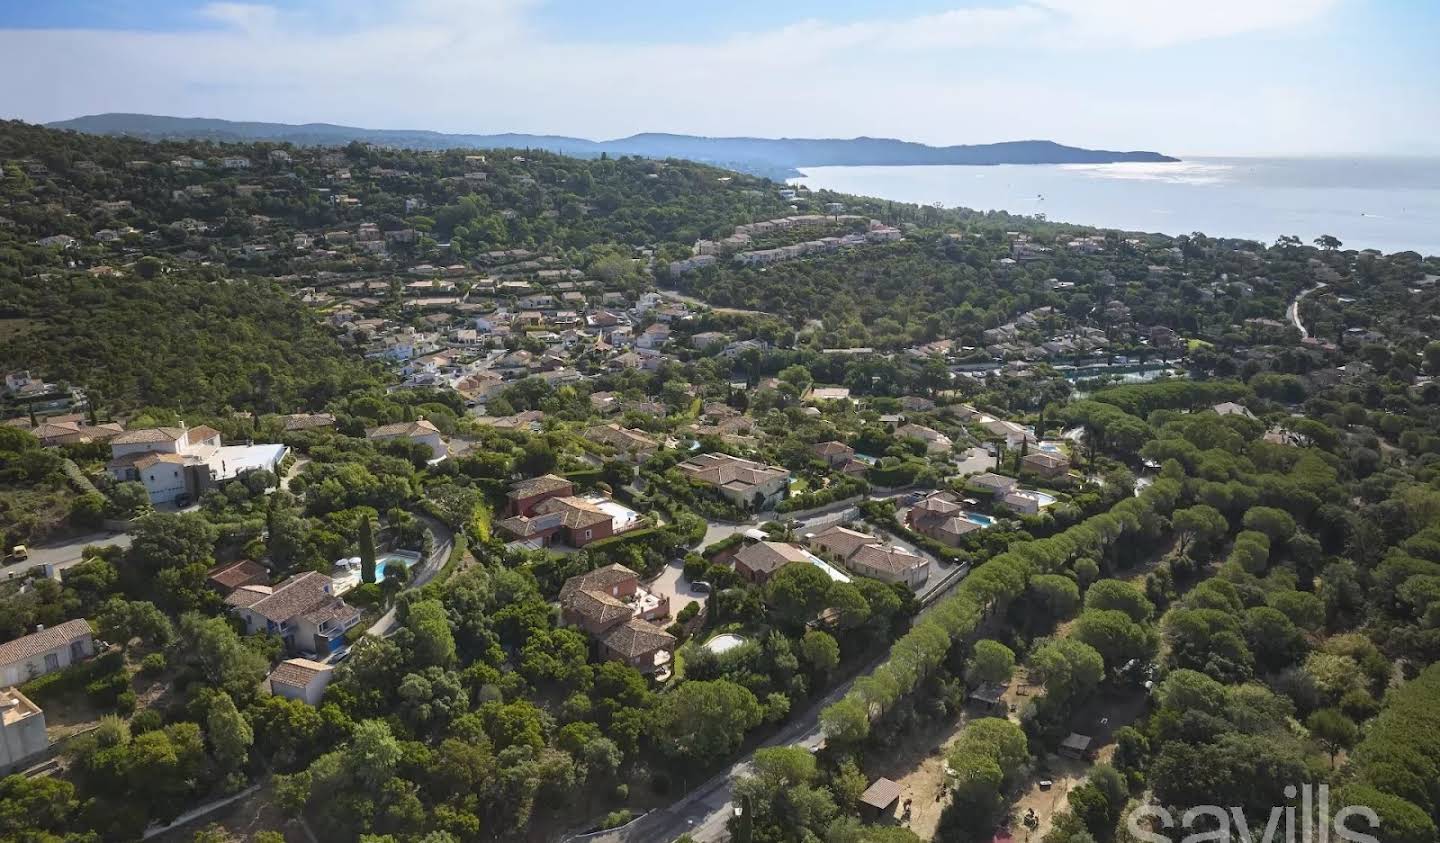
(672, 584)
(974, 461)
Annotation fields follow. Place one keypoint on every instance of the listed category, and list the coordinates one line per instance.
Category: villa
(997, 485)
(422, 431)
(1046, 464)
(303, 610)
(609, 605)
(182, 462)
(865, 555)
(633, 445)
(577, 521)
(742, 482)
(942, 518)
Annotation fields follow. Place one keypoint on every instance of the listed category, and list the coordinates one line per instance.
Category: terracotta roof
(882, 794)
(636, 637)
(841, 541)
(598, 607)
(600, 578)
(148, 435)
(200, 433)
(146, 460)
(624, 438)
(896, 560)
(44, 641)
(301, 594)
(297, 673)
(733, 472)
(770, 556)
(544, 484)
(415, 428)
(306, 421)
(248, 595)
(827, 449)
(575, 513)
(244, 572)
(989, 480)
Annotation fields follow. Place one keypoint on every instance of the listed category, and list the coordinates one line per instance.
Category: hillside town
(509, 496)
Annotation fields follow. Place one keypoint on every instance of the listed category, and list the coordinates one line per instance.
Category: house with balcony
(303, 610)
(611, 607)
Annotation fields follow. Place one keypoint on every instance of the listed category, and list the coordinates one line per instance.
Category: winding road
(444, 540)
(1293, 312)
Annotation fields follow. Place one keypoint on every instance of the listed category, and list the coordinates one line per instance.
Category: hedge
(955, 618)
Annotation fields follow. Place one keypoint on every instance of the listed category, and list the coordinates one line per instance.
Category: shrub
(153, 664)
(125, 702)
(148, 720)
(690, 611)
(615, 819)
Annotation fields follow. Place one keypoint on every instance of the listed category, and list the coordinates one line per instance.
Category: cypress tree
(367, 551)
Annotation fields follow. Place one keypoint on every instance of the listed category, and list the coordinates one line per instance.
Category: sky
(1186, 77)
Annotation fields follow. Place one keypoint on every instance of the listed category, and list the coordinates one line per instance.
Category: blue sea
(1391, 204)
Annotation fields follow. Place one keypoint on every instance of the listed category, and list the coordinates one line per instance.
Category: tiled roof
(826, 449)
(600, 578)
(896, 560)
(200, 433)
(842, 541)
(307, 421)
(598, 606)
(300, 594)
(636, 637)
(148, 435)
(414, 428)
(575, 513)
(44, 641)
(297, 673)
(770, 556)
(544, 484)
(733, 472)
(244, 572)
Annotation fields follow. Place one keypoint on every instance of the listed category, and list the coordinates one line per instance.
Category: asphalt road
(444, 540)
(704, 811)
(64, 554)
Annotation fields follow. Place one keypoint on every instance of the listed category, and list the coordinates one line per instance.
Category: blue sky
(1225, 77)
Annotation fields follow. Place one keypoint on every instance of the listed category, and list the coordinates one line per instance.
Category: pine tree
(367, 551)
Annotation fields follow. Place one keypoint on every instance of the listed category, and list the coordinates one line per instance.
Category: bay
(1390, 204)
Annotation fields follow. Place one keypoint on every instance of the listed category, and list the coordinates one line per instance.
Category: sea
(1390, 204)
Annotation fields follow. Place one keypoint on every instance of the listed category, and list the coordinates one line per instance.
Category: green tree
(1332, 730)
(705, 721)
(990, 662)
(366, 540)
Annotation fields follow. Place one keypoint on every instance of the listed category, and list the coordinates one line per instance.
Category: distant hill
(775, 157)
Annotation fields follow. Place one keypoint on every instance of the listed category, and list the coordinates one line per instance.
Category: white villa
(173, 462)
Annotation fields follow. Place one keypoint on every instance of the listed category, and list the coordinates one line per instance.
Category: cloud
(248, 17)
(1026, 68)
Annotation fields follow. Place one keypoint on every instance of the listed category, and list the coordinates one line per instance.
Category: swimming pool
(724, 642)
(981, 520)
(1043, 498)
(347, 571)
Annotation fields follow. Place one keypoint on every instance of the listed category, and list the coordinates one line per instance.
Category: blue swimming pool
(977, 518)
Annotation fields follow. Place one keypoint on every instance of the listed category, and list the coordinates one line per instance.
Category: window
(77, 650)
(587, 534)
(52, 661)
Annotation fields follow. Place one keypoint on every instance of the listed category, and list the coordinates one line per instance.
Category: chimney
(39, 627)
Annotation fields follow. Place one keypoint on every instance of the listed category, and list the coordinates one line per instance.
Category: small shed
(1075, 746)
(879, 799)
(989, 696)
